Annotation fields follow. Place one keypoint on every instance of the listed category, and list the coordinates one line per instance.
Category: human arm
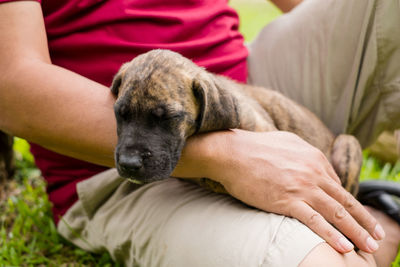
(73, 115)
(286, 5)
(46, 104)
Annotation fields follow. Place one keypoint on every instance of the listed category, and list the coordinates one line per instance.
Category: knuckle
(313, 219)
(300, 181)
(304, 182)
(336, 188)
(331, 234)
(340, 213)
(313, 168)
(361, 233)
(349, 202)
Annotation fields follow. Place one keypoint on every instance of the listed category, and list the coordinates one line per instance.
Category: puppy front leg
(346, 159)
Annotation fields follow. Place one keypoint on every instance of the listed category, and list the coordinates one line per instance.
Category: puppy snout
(131, 163)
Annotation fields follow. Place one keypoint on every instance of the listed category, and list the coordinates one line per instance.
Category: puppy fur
(163, 98)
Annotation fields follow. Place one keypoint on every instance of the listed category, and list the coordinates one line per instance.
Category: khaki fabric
(176, 223)
(341, 59)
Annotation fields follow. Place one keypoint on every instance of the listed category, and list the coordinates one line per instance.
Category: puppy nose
(134, 162)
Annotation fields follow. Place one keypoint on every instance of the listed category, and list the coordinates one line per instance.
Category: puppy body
(163, 98)
(260, 109)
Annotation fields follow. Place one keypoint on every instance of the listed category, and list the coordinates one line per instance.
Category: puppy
(163, 98)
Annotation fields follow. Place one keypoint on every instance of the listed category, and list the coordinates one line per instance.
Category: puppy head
(162, 99)
(156, 111)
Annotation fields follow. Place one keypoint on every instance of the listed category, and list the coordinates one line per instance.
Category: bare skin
(383, 257)
(33, 92)
(286, 5)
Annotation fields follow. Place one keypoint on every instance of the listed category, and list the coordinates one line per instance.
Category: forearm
(58, 109)
(46, 104)
(286, 5)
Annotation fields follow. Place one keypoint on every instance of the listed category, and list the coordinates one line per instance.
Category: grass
(254, 14)
(374, 169)
(28, 236)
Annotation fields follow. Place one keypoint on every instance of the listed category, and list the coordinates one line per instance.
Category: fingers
(336, 213)
(332, 204)
(356, 210)
(321, 160)
(314, 220)
(331, 172)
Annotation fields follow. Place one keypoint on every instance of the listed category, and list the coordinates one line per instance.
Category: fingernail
(372, 245)
(345, 244)
(379, 233)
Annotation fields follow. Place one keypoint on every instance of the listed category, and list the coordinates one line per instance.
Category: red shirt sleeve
(5, 1)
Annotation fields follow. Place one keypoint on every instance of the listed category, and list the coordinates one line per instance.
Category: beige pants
(340, 58)
(176, 223)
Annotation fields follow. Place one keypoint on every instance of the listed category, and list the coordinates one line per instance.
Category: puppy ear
(217, 107)
(201, 97)
(116, 83)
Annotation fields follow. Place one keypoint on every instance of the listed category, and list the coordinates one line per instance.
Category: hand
(279, 172)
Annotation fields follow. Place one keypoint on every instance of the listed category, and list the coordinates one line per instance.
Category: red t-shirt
(94, 37)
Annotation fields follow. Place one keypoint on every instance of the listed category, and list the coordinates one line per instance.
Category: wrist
(203, 155)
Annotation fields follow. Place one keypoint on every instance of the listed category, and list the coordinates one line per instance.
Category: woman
(58, 59)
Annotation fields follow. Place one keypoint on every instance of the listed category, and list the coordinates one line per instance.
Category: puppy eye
(163, 115)
(175, 116)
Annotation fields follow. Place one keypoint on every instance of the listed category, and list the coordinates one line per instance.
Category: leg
(319, 254)
(346, 159)
(340, 59)
(389, 246)
(383, 257)
(176, 223)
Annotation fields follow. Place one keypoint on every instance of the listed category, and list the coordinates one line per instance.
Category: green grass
(374, 169)
(28, 236)
(254, 14)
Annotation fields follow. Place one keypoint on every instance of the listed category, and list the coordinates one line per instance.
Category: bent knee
(325, 255)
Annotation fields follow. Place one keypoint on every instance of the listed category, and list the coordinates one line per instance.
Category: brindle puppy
(163, 98)
(6, 157)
